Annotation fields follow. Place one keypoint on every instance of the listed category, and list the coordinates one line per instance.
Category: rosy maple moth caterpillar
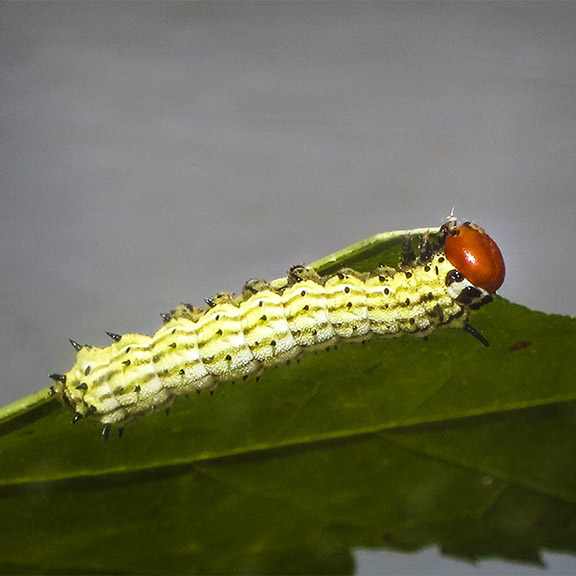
(269, 323)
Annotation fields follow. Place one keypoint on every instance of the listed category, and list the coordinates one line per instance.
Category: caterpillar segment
(271, 323)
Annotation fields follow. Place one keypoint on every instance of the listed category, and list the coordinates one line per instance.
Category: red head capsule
(475, 255)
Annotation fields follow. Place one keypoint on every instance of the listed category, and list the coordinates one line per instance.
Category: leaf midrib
(316, 440)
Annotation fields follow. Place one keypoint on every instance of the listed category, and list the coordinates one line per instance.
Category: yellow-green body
(236, 338)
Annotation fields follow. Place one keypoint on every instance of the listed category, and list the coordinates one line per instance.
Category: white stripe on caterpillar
(271, 323)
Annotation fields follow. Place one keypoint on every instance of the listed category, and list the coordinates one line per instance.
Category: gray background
(155, 153)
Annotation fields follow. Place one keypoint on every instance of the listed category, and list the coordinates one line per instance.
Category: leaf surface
(393, 444)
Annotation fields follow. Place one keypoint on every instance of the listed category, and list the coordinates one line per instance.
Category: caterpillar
(269, 323)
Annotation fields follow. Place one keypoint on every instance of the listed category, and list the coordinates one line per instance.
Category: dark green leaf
(393, 444)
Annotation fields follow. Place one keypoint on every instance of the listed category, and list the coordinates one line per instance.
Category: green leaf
(397, 444)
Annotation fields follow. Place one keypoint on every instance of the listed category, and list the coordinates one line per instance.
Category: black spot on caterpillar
(270, 323)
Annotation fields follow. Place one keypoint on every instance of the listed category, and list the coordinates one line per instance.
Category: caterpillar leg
(473, 332)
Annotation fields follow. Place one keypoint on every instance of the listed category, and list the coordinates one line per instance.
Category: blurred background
(154, 153)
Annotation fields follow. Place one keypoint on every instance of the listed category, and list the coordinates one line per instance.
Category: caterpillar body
(269, 323)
